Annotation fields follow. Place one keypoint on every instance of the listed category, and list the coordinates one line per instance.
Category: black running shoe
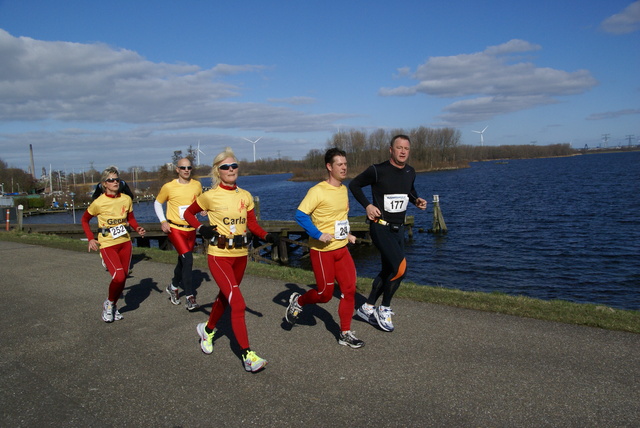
(348, 339)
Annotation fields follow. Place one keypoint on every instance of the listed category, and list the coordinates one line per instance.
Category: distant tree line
(431, 149)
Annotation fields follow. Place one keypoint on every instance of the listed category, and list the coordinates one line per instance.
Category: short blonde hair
(110, 170)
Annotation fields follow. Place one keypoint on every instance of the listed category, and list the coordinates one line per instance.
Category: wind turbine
(254, 146)
(481, 135)
(198, 154)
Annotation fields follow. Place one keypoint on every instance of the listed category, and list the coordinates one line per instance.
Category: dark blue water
(562, 228)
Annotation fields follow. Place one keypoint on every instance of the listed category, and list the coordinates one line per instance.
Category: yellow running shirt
(178, 198)
(227, 209)
(328, 207)
(112, 215)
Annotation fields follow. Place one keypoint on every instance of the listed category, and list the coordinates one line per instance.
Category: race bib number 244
(341, 230)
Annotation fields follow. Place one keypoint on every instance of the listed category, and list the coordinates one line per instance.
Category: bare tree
(177, 155)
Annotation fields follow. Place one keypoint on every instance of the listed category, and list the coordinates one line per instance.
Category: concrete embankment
(61, 365)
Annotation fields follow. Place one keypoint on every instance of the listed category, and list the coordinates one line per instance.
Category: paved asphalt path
(61, 365)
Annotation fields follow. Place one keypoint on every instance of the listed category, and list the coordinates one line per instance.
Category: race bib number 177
(396, 203)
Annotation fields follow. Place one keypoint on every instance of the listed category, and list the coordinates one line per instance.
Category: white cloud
(495, 81)
(70, 99)
(95, 83)
(625, 22)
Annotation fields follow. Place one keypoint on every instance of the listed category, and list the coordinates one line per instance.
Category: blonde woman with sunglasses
(115, 212)
(232, 220)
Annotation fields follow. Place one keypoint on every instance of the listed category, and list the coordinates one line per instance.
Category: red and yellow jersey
(227, 209)
(328, 207)
(178, 197)
(112, 215)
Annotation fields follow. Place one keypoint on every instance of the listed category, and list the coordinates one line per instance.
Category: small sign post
(20, 211)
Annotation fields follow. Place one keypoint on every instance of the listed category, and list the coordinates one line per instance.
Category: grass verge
(549, 310)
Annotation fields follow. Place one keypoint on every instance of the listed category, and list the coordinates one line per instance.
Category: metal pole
(7, 227)
(73, 206)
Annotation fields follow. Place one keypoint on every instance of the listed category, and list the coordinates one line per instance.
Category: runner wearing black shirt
(392, 188)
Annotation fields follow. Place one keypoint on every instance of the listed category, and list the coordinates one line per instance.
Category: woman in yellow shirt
(114, 211)
(231, 217)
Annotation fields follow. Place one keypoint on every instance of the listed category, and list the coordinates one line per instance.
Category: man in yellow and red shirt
(323, 214)
(179, 194)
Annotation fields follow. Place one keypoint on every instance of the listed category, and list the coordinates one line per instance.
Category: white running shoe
(383, 317)
(174, 295)
(107, 311)
(191, 304)
(366, 313)
(253, 363)
(206, 339)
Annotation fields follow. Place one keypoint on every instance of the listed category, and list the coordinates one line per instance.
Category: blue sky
(128, 82)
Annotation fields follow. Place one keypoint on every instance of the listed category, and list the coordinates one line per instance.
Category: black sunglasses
(226, 166)
(112, 180)
(186, 167)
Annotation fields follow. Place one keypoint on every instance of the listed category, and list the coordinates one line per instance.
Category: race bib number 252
(118, 231)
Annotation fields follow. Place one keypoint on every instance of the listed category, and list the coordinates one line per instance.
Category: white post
(20, 210)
